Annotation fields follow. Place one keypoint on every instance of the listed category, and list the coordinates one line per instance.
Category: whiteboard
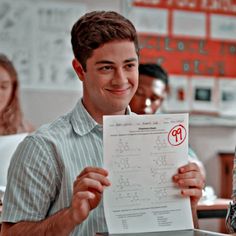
(36, 37)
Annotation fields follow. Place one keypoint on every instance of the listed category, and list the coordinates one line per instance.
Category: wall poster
(195, 41)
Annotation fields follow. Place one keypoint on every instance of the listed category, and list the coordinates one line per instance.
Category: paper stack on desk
(142, 153)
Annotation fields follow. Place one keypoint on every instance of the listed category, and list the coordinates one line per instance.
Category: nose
(119, 77)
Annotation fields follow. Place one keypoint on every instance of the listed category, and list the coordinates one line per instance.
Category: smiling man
(112, 76)
(56, 179)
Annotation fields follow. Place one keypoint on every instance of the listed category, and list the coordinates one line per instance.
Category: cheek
(136, 83)
(133, 79)
(8, 95)
(157, 103)
(138, 102)
(98, 81)
(4, 98)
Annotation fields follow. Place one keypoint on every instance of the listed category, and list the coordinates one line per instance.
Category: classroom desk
(213, 209)
(195, 232)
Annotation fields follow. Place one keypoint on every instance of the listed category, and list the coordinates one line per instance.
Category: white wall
(41, 107)
(207, 141)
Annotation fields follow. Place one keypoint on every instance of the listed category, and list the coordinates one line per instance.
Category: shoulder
(55, 131)
(47, 137)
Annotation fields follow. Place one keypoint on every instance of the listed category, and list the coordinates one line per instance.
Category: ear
(78, 69)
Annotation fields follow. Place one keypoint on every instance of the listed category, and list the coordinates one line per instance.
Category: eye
(5, 86)
(130, 66)
(105, 68)
(155, 98)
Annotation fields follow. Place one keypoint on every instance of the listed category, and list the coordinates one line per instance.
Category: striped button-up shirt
(45, 165)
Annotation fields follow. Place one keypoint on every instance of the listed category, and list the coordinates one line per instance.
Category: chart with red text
(195, 42)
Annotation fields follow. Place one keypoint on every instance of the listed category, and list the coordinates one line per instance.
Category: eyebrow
(111, 62)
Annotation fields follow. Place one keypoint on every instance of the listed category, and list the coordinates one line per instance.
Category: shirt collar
(81, 121)
(128, 111)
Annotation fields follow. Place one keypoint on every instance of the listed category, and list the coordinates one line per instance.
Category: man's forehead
(114, 51)
(158, 87)
(107, 61)
(151, 81)
(155, 85)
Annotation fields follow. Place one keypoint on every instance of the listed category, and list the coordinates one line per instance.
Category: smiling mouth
(119, 91)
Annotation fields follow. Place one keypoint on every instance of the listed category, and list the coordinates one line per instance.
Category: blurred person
(231, 214)
(11, 117)
(152, 89)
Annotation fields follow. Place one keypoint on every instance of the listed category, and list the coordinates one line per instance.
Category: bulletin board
(195, 41)
(36, 37)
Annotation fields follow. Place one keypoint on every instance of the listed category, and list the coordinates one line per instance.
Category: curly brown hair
(97, 28)
(11, 117)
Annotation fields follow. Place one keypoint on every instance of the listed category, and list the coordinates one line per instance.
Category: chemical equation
(162, 161)
(124, 147)
(164, 194)
(160, 143)
(132, 198)
(128, 196)
(126, 164)
(123, 183)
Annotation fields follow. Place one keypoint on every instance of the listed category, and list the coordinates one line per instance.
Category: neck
(98, 114)
(100, 120)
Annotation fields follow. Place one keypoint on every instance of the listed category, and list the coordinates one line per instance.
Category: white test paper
(142, 153)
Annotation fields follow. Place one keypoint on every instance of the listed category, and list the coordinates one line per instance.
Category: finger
(90, 169)
(187, 175)
(191, 183)
(191, 192)
(85, 195)
(189, 167)
(90, 183)
(95, 176)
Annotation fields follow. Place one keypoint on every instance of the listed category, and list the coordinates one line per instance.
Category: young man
(56, 179)
(152, 90)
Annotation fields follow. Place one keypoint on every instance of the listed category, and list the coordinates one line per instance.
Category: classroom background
(195, 41)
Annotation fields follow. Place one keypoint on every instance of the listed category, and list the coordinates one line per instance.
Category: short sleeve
(31, 182)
